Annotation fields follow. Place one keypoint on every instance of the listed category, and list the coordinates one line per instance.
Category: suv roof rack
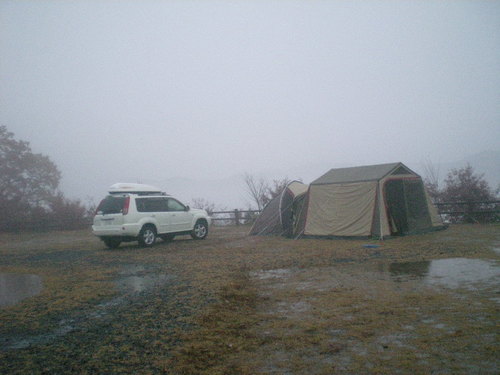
(131, 188)
(140, 193)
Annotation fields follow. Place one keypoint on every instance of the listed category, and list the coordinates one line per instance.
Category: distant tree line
(30, 198)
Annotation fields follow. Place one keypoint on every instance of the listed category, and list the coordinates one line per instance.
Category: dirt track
(237, 304)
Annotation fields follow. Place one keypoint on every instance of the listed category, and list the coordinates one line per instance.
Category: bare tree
(256, 189)
(261, 191)
(275, 189)
(431, 180)
(203, 204)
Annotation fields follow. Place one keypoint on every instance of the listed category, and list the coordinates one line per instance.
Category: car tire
(147, 236)
(112, 243)
(200, 230)
(167, 237)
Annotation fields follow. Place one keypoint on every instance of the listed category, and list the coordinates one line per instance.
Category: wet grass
(246, 305)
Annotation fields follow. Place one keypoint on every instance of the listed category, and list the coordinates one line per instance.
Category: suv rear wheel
(147, 236)
(200, 230)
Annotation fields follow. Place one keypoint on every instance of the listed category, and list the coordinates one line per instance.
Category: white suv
(136, 212)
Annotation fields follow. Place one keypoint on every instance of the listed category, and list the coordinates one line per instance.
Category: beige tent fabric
(384, 229)
(341, 209)
(435, 218)
(298, 188)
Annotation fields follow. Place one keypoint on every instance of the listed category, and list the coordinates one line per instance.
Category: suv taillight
(126, 204)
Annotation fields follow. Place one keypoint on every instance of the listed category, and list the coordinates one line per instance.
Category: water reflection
(401, 271)
(137, 284)
(496, 248)
(450, 273)
(16, 287)
(462, 272)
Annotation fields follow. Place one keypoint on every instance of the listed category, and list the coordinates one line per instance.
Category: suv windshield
(111, 205)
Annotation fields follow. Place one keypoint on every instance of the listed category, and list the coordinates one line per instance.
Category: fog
(190, 95)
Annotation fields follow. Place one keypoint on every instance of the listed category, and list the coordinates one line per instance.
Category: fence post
(469, 209)
(237, 216)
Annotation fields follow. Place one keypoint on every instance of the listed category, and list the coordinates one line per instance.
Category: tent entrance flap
(406, 205)
(396, 206)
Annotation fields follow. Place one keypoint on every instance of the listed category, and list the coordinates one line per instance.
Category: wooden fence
(474, 211)
(234, 217)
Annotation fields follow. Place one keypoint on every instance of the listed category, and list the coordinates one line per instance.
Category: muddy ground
(233, 304)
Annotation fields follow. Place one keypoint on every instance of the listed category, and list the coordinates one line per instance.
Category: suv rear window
(111, 205)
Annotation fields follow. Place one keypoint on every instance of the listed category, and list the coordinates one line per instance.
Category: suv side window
(175, 205)
(151, 204)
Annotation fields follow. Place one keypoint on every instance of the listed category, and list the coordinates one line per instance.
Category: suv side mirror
(187, 208)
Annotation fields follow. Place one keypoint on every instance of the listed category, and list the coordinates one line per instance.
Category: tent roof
(363, 173)
(297, 188)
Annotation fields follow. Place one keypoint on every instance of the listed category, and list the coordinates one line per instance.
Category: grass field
(234, 304)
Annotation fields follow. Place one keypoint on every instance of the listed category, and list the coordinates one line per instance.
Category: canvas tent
(277, 215)
(376, 200)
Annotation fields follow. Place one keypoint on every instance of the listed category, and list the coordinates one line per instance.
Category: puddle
(128, 285)
(409, 270)
(293, 308)
(132, 269)
(450, 273)
(496, 248)
(136, 279)
(16, 287)
(137, 284)
(271, 274)
(462, 272)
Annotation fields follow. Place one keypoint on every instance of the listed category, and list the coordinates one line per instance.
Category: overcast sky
(148, 90)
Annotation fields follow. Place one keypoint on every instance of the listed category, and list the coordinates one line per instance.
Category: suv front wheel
(200, 230)
(147, 236)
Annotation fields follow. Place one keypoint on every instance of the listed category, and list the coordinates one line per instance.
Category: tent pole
(381, 235)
